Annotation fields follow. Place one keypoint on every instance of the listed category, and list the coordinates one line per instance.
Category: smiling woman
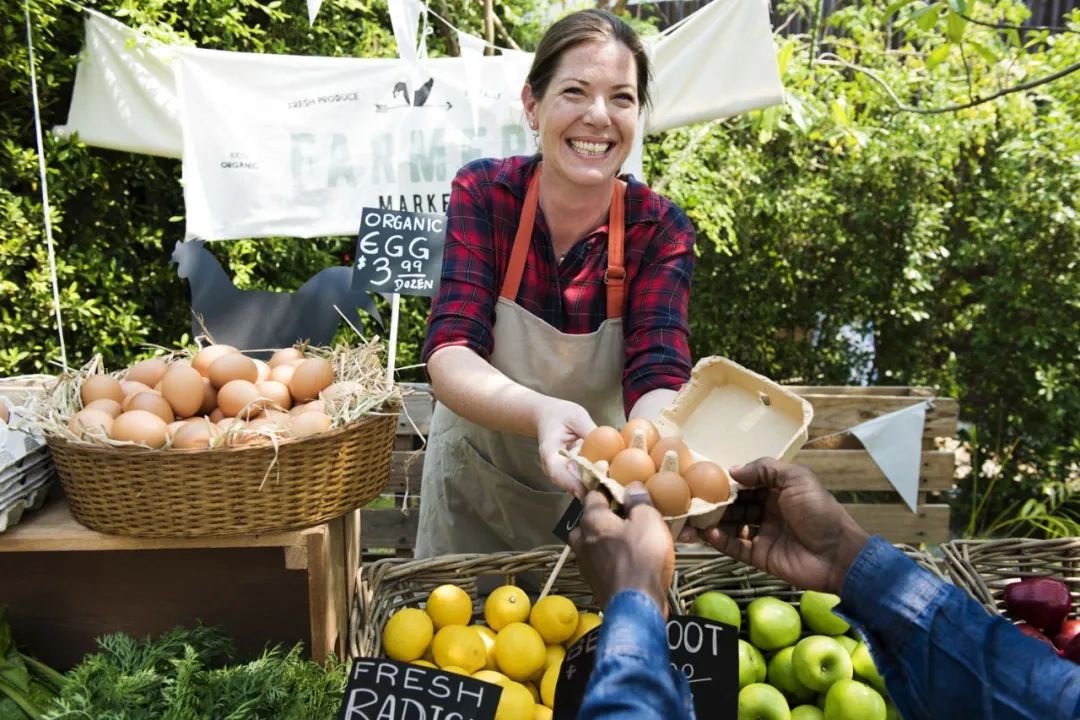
(562, 303)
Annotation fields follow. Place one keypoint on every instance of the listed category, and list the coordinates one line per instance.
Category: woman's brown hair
(577, 28)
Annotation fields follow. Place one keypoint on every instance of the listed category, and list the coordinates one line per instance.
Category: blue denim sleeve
(633, 677)
(942, 655)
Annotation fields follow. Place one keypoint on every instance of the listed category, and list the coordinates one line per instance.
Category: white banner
(290, 145)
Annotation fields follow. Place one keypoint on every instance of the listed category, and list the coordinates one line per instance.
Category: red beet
(1072, 650)
(1032, 631)
(1068, 630)
(1041, 601)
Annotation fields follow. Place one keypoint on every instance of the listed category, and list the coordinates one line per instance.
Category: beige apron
(483, 490)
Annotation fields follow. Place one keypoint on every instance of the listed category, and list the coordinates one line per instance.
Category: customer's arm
(629, 564)
(940, 653)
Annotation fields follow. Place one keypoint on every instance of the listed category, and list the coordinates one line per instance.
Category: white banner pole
(391, 353)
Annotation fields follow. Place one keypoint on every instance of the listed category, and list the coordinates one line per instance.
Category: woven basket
(985, 567)
(227, 490)
(386, 586)
(745, 583)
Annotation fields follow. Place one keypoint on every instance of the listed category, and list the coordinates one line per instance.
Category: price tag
(390, 690)
(399, 252)
(569, 520)
(706, 652)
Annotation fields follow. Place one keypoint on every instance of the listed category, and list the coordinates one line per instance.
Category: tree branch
(504, 31)
(830, 59)
(1002, 26)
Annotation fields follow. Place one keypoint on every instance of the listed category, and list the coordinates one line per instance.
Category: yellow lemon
(533, 690)
(488, 636)
(493, 677)
(459, 646)
(515, 703)
(555, 655)
(449, 605)
(547, 684)
(586, 622)
(520, 651)
(407, 634)
(456, 670)
(554, 617)
(505, 605)
(541, 713)
(428, 655)
(425, 663)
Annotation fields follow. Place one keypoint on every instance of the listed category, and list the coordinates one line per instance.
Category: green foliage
(191, 674)
(952, 237)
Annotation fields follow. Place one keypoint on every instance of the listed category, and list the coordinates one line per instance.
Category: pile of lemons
(521, 647)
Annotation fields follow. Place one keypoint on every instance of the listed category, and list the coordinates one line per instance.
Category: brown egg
(148, 372)
(708, 481)
(282, 373)
(663, 445)
(140, 426)
(107, 405)
(285, 355)
(263, 371)
(183, 388)
(176, 425)
(196, 435)
(205, 357)
(631, 465)
(232, 366)
(603, 443)
(336, 391)
(652, 436)
(669, 493)
(314, 405)
(130, 387)
(100, 386)
(310, 378)
(151, 402)
(310, 423)
(216, 415)
(90, 422)
(239, 396)
(295, 362)
(277, 393)
(184, 362)
(209, 401)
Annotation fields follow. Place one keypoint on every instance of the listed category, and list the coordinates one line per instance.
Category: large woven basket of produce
(792, 648)
(1034, 583)
(213, 442)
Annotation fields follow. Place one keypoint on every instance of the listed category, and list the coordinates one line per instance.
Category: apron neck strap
(614, 275)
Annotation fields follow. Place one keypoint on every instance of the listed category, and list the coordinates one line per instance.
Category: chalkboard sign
(389, 690)
(569, 520)
(706, 652)
(399, 252)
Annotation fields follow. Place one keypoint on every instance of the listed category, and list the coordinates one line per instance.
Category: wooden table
(65, 584)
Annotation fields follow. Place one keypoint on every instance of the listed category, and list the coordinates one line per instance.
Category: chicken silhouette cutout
(259, 319)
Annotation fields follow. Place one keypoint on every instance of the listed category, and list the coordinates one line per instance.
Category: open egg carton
(727, 415)
(26, 468)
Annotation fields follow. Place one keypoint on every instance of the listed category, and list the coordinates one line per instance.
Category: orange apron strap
(522, 240)
(615, 274)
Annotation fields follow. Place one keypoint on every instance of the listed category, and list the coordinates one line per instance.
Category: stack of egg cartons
(26, 467)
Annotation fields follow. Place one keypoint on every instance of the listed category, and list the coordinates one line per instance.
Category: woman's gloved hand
(560, 424)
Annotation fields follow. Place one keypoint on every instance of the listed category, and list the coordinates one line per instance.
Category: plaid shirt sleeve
(657, 331)
(463, 311)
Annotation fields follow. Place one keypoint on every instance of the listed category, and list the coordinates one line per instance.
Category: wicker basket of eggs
(211, 441)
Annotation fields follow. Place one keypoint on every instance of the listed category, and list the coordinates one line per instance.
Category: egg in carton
(725, 414)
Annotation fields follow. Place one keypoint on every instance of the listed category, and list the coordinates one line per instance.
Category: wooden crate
(839, 461)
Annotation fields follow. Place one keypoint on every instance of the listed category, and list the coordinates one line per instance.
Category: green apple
(807, 712)
(820, 661)
(773, 623)
(782, 677)
(717, 606)
(759, 701)
(853, 700)
(891, 711)
(752, 667)
(847, 641)
(865, 670)
(816, 610)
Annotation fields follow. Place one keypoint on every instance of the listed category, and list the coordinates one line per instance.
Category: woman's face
(589, 114)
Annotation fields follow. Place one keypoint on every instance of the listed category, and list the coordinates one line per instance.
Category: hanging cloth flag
(313, 10)
(894, 442)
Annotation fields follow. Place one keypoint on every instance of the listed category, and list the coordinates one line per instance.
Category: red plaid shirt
(485, 202)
